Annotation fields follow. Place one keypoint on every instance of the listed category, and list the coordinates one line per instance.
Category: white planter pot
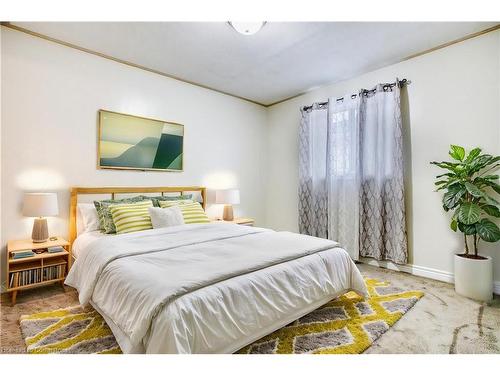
(474, 278)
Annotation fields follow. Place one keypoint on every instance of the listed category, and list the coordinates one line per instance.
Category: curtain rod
(402, 83)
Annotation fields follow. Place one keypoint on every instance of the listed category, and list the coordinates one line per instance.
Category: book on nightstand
(55, 249)
(22, 254)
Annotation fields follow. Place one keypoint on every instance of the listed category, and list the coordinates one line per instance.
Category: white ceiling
(280, 61)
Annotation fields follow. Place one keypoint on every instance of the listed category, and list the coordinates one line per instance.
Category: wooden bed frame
(76, 191)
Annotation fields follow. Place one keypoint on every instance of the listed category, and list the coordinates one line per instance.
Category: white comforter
(210, 287)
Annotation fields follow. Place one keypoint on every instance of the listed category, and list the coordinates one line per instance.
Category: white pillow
(88, 217)
(165, 217)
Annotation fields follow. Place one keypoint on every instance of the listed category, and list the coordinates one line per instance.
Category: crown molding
(433, 49)
(154, 71)
(120, 61)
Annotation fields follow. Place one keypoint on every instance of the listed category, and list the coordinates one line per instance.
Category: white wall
(50, 95)
(453, 99)
(50, 98)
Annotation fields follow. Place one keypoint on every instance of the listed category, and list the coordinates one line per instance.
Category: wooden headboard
(113, 190)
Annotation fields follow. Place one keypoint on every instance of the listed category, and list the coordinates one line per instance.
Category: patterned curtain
(382, 207)
(351, 174)
(313, 200)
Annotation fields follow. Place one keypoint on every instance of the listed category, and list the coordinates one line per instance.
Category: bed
(203, 288)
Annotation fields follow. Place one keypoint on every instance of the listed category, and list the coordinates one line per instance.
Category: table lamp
(228, 197)
(40, 205)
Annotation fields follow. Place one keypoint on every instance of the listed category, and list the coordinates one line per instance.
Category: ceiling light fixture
(247, 28)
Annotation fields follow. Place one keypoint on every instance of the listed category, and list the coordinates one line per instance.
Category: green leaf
(440, 182)
(473, 190)
(480, 162)
(488, 230)
(453, 225)
(457, 152)
(468, 230)
(491, 210)
(482, 182)
(469, 213)
(491, 201)
(451, 181)
(474, 153)
(446, 165)
(493, 185)
(453, 195)
(446, 174)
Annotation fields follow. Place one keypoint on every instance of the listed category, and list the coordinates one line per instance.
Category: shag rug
(346, 325)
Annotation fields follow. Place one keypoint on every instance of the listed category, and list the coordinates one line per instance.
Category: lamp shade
(40, 204)
(227, 196)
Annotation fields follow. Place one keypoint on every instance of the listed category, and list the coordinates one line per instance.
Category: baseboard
(430, 273)
(496, 287)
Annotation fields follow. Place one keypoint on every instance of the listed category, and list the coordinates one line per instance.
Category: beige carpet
(441, 322)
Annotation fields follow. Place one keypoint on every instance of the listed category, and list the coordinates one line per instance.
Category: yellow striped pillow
(178, 202)
(131, 217)
(192, 212)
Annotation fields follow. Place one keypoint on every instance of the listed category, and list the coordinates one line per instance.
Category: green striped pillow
(193, 213)
(105, 219)
(131, 217)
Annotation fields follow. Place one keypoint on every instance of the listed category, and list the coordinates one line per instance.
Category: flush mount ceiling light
(247, 28)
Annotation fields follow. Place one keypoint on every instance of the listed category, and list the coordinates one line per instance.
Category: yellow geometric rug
(345, 325)
(68, 331)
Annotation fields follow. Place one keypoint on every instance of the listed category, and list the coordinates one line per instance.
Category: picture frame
(130, 142)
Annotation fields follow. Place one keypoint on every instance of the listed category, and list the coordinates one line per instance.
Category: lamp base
(228, 213)
(40, 232)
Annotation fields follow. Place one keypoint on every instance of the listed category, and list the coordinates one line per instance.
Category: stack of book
(54, 272)
(55, 249)
(22, 254)
(27, 277)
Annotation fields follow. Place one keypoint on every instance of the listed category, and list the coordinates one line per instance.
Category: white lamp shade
(227, 196)
(40, 204)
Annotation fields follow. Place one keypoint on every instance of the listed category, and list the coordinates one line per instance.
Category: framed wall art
(133, 142)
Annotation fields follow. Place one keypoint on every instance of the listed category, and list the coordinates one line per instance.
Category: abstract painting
(131, 142)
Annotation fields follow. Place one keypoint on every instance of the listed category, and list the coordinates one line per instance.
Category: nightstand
(239, 220)
(38, 270)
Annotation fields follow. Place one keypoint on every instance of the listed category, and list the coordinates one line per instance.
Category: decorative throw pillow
(192, 213)
(165, 217)
(131, 217)
(179, 202)
(106, 224)
(88, 216)
(168, 198)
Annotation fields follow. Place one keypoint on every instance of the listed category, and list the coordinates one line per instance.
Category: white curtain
(351, 173)
(313, 208)
(343, 173)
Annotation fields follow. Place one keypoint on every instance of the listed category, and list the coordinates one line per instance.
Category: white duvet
(209, 288)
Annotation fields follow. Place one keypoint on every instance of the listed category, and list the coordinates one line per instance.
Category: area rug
(345, 325)
(68, 331)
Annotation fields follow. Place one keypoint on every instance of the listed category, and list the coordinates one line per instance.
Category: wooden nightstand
(40, 269)
(239, 220)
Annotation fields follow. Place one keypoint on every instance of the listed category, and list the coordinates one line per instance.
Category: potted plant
(470, 186)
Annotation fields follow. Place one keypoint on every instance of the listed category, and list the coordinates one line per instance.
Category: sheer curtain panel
(343, 173)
